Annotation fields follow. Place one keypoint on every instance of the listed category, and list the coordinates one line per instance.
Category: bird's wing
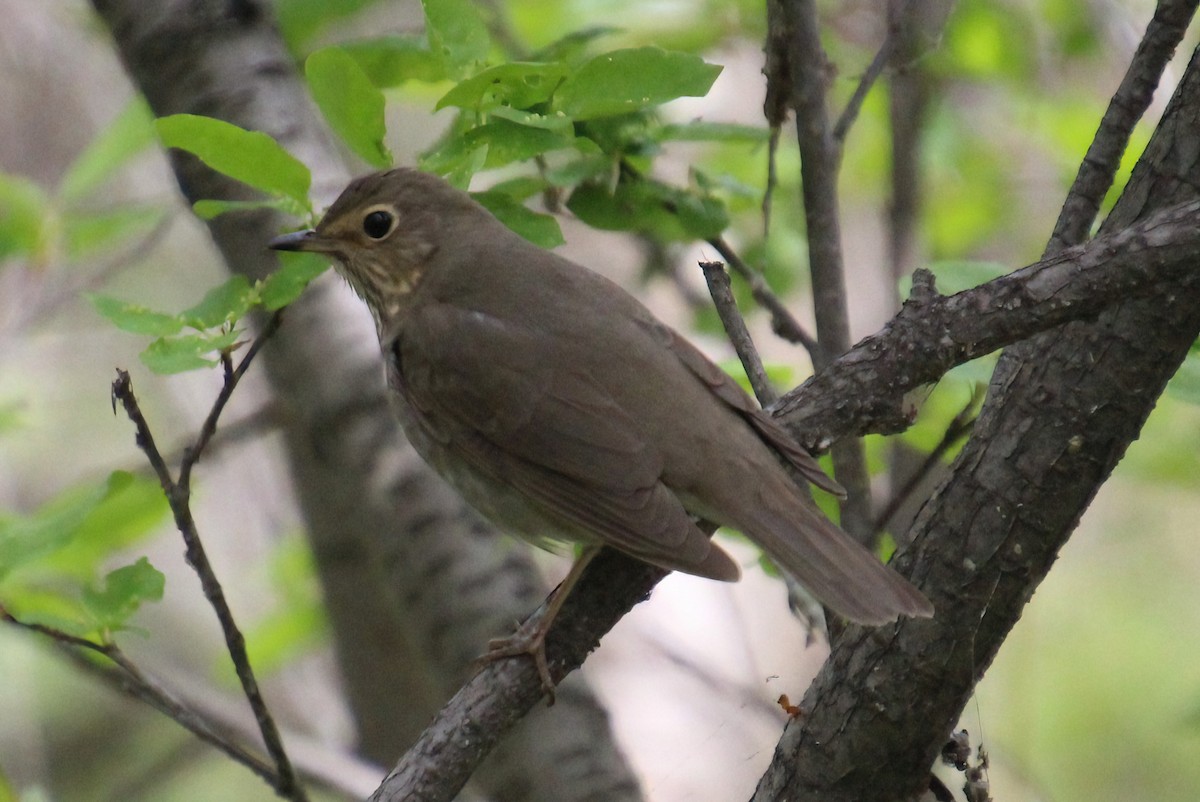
(726, 389)
(496, 395)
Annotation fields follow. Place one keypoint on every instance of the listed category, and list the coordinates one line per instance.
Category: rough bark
(1062, 409)
(414, 582)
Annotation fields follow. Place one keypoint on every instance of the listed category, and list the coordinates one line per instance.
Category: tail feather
(839, 571)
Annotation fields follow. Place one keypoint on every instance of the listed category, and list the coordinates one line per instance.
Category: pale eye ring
(378, 224)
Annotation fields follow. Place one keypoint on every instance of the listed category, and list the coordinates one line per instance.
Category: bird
(564, 411)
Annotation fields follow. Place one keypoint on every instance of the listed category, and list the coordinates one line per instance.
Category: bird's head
(382, 232)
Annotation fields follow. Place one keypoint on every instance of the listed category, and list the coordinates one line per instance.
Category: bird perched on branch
(563, 410)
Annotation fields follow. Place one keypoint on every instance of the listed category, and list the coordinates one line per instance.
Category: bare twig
(130, 679)
(878, 64)
(739, 335)
(178, 496)
(783, 322)
(1133, 96)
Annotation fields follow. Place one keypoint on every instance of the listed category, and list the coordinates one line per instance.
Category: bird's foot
(529, 639)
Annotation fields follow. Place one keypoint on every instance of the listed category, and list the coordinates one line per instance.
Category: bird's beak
(308, 240)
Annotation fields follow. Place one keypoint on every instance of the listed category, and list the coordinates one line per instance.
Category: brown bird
(563, 410)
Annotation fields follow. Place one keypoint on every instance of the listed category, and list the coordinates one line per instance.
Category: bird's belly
(495, 499)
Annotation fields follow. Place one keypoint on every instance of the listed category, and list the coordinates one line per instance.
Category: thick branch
(930, 336)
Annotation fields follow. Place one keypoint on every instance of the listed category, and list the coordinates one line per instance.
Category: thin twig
(878, 64)
(783, 322)
(178, 496)
(130, 679)
(1132, 98)
(735, 327)
(958, 428)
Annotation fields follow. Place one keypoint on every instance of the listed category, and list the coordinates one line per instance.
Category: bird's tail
(839, 571)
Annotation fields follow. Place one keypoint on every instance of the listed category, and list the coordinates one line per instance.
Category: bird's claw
(529, 639)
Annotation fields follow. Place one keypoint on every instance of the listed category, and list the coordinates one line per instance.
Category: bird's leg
(530, 637)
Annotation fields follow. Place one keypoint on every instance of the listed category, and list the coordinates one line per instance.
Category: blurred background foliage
(1095, 696)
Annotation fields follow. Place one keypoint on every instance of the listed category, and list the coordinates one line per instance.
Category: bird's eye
(378, 224)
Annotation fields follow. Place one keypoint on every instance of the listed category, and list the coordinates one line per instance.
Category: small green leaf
(301, 20)
(24, 539)
(251, 157)
(572, 46)
(455, 159)
(456, 32)
(517, 84)
(646, 205)
(123, 592)
(582, 169)
(295, 272)
(168, 355)
(24, 213)
(559, 123)
(393, 60)
(351, 104)
(126, 136)
(208, 209)
(136, 319)
(508, 142)
(132, 510)
(700, 131)
(540, 229)
(87, 233)
(628, 80)
(226, 303)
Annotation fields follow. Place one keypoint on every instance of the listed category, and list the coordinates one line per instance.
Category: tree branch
(820, 157)
(178, 493)
(928, 337)
(1132, 98)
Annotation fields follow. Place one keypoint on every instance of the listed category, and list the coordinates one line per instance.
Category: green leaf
(24, 539)
(50, 608)
(251, 157)
(646, 205)
(135, 319)
(226, 303)
(123, 592)
(559, 123)
(88, 233)
(508, 142)
(456, 159)
(24, 213)
(540, 229)
(456, 32)
(622, 81)
(298, 623)
(132, 510)
(129, 134)
(295, 272)
(572, 47)
(351, 104)
(393, 60)
(700, 131)
(208, 209)
(301, 20)
(517, 84)
(168, 355)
